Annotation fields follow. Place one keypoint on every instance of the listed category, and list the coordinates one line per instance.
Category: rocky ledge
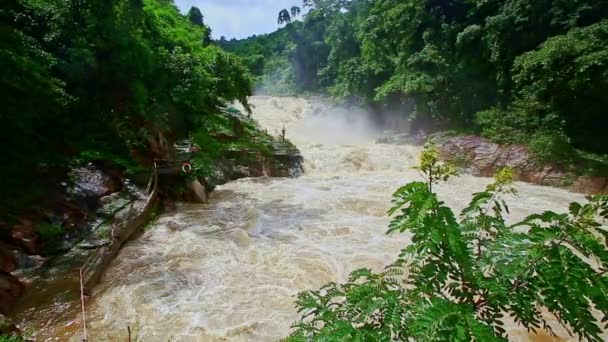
(247, 151)
(482, 157)
(283, 161)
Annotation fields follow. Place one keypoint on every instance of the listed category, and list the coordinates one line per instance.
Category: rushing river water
(229, 270)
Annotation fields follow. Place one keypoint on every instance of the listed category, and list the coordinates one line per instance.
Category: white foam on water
(233, 268)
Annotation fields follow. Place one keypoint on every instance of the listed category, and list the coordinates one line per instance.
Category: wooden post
(84, 315)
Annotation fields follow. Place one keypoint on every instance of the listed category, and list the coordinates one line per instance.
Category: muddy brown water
(229, 270)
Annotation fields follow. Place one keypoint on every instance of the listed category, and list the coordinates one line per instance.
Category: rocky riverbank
(97, 210)
(481, 157)
(73, 211)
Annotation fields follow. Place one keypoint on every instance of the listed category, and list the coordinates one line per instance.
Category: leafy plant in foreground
(461, 276)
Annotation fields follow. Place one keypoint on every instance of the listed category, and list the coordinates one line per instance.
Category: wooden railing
(98, 262)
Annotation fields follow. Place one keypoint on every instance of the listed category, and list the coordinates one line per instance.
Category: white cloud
(239, 18)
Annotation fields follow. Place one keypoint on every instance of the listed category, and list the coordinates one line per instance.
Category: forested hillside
(517, 71)
(103, 79)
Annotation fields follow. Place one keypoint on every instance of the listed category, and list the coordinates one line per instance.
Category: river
(229, 270)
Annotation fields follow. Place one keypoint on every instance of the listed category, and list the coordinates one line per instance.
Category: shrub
(552, 147)
(49, 232)
(461, 275)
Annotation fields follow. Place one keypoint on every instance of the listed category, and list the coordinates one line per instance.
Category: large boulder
(91, 181)
(286, 160)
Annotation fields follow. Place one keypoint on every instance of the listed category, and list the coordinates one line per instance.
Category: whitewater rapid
(230, 270)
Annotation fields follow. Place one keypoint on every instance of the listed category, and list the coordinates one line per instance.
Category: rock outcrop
(91, 182)
(59, 278)
(482, 157)
(72, 212)
(284, 160)
(247, 151)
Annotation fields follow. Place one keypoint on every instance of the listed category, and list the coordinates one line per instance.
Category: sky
(239, 18)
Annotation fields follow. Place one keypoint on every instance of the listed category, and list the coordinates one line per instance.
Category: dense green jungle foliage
(517, 71)
(103, 79)
(461, 276)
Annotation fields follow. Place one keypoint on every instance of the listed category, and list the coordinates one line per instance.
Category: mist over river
(230, 270)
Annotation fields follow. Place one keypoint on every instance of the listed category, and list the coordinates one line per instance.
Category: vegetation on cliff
(514, 70)
(103, 79)
(462, 275)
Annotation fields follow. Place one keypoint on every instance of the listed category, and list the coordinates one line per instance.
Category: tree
(118, 71)
(443, 62)
(195, 16)
(459, 276)
(295, 11)
(284, 17)
(564, 74)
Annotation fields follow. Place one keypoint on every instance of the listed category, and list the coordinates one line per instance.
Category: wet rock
(538, 176)
(24, 235)
(26, 261)
(10, 290)
(127, 222)
(111, 203)
(107, 200)
(94, 244)
(174, 226)
(221, 174)
(403, 139)
(258, 165)
(197, 193)
(71, 218)
(480, 154)
(91, 183)
(287, 160)
(559, 178)
(239, 155)
(240, 171)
